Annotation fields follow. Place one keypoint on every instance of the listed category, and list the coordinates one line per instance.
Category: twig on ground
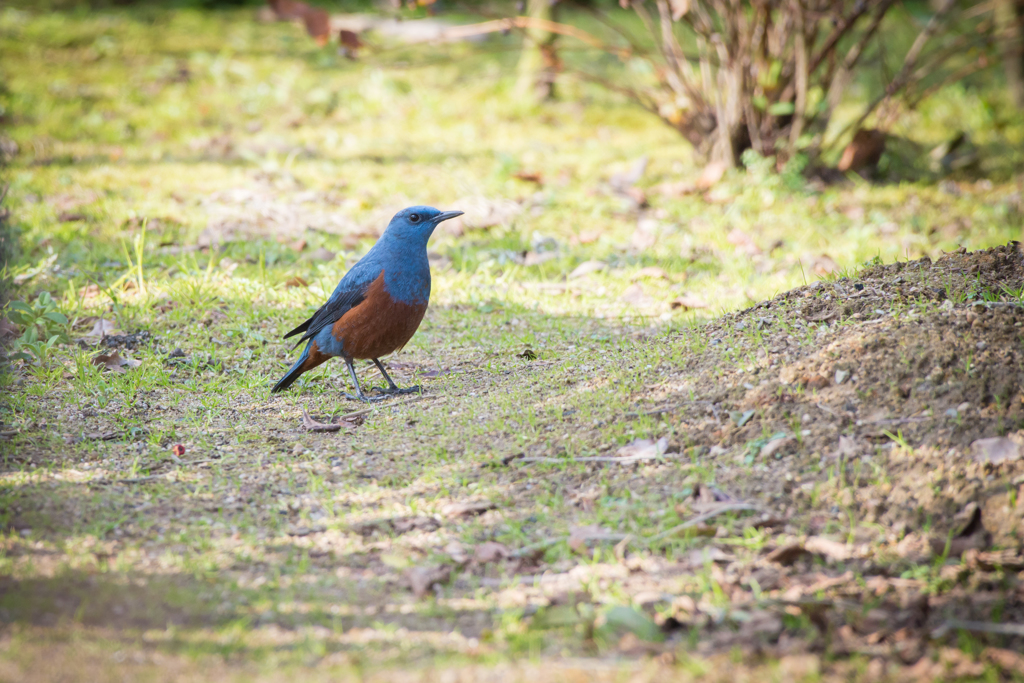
(617, 538)
(626, 460)
(705, 517)
(312, 425)
(896, 421)
(548, 542)
(978, 627)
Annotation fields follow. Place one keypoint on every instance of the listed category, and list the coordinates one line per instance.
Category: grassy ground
(196, 182)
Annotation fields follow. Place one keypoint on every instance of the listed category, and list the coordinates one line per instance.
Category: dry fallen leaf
(679, 8)
(776, 445)
(653, 272)
(833, 550)
(457, 552)
(421, 579)
(643, 448)
(322, 254)
(579, 535)
(637, 195)
(534, 258)
(699, 557)
(791, 552)
(645, 235)
(529, 176)
(469, 509)
(490, 552)
(296, 281)
(318, 25)
(88, 292)
(286, 10)
(634, 295)
(116, 362)
(864, 151)
(743, 242)
(586, 268)
(678, 188)
(1007, 660)
(687, 302)
(712, 173)
(350, 42)
(625, 179)
(786, 554)
(823, 265)
(102, 328)
(312, 425)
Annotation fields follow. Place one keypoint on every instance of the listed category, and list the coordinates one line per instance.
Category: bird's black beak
(445, 215)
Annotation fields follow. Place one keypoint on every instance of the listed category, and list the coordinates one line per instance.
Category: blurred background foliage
(236, 134)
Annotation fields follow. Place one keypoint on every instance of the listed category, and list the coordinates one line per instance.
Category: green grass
(143, 133)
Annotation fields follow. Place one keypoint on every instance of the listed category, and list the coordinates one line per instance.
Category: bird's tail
(293, 372)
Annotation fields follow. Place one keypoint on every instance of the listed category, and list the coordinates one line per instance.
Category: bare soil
(821, 507)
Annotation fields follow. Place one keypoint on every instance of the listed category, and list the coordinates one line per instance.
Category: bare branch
(909, 62)
(800, 106)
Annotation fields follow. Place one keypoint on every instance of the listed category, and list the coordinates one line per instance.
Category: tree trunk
(538, 64)
(1009, 15)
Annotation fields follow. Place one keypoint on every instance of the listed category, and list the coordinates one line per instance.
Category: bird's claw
(401, 392)
(364, 398)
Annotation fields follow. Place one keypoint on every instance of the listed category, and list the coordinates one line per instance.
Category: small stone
(981, 345)
(298, 449)
(951, 413)
(963, 407)
(995, 450)
(841, 376)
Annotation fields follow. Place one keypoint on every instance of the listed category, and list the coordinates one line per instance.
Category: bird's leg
(392, 387)
(359, 395)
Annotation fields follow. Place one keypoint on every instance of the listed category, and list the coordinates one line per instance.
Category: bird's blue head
(415, 224)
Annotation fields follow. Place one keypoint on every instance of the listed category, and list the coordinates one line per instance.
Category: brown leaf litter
(116, 362)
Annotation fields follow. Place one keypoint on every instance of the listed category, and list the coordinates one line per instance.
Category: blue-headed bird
(377, 306)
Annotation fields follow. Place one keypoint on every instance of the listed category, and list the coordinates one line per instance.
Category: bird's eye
(414, 218)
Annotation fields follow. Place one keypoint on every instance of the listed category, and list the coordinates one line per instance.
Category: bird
(378, 305)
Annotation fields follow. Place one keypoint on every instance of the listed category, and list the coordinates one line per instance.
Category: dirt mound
(876, 387)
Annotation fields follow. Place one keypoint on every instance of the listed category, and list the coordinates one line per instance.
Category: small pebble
(982, 345)
(951, 413)
(963, 407)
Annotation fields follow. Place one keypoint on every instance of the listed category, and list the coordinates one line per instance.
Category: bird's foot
(395, 391)
(364, 398)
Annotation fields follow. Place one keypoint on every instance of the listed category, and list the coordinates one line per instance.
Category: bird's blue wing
(349, 294)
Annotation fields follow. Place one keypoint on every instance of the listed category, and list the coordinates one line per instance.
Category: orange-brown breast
(379, 325)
